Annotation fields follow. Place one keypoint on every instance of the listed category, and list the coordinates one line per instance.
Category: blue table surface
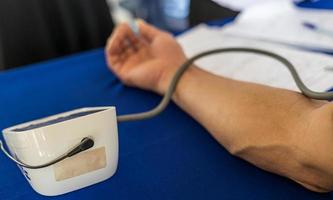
(168, 157)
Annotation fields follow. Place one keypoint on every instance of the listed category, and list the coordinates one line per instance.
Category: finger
(115, 44)
(114, 60)
(139, 44)
(148, 31)
(131, 49)
(129, 35)
(118, 43)
(121, 33)
(127, 51)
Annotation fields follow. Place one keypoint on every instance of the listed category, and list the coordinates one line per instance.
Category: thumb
(148, 31)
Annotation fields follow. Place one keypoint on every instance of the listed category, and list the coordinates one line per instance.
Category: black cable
(86, 143)
(168, 95)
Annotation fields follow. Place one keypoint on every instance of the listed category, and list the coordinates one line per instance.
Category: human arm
(277, 130)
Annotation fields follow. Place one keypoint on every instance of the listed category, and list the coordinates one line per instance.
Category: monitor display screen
(57, 120)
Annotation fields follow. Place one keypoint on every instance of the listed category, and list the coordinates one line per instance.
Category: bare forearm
(278, 130)
(232, 109)
(261, 124)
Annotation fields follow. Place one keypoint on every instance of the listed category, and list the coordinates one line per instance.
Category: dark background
(37, 30)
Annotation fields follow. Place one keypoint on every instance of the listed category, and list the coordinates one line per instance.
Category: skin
(277, 130)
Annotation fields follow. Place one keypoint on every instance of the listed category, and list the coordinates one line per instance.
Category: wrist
(188, 78)
(187, 83)
(164, 81)
(166, 76)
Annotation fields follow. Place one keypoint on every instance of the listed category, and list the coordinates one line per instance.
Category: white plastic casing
(43, 144)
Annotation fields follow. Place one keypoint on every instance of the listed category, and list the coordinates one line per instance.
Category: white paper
(282, 22)
(239, 5)
(315, 69)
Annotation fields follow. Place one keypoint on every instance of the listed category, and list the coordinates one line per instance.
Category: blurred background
(37, 30)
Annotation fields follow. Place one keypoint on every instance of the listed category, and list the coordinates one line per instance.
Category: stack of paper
(238, 5)
(282, 22)
(315, 69)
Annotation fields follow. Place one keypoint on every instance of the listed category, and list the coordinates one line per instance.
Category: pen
(134, 26)
(318, 29)
(123, 15)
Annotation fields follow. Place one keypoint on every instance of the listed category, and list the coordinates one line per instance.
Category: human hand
(147, 60)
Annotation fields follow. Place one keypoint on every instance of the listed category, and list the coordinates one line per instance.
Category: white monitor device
(38, 142)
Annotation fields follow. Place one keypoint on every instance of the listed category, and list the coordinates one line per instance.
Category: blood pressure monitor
(41, 141)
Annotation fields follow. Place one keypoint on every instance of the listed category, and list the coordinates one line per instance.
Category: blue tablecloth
(168, 157)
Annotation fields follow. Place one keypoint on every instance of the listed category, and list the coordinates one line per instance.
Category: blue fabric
(168, 157)
(319, 4)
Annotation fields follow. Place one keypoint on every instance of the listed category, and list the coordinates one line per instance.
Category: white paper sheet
(239, 5)
(315, 69)
(282, 22)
